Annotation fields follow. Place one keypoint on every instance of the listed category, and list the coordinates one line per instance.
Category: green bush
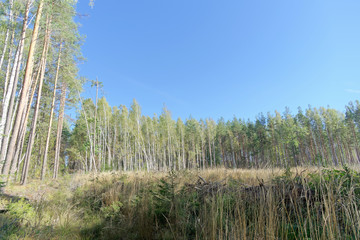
(22, 211)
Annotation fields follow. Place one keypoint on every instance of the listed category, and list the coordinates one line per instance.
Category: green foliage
(2, 183)
(286, 177)
(164, 198)
(22, 211)
(346, 181)
(112, 211)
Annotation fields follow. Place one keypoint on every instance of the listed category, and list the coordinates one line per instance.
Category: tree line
(118, 138)
(39, 52)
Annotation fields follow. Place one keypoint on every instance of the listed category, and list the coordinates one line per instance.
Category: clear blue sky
(216, 58)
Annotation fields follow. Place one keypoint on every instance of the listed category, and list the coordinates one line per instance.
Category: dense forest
(106, 138)
(40, 52)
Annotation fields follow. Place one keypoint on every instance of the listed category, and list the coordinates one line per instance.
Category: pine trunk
(59, 129)
(43, 168)
(37, 107)
(26, 85)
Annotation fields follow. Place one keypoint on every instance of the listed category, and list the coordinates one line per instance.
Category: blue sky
(212, 58)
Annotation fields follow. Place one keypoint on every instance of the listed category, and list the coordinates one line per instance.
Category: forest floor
(205, 204)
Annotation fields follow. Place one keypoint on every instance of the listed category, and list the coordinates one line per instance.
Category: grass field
(302, 203)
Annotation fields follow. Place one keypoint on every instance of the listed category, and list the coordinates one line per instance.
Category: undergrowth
(320, 204)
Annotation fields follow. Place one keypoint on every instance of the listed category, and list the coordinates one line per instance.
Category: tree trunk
(59, 129)
(24, 119)
(210, 153)
(8, 100)
(15, 165)
(8, 107)
(95, 122)
(43, 168)
(7, 34)
(26, 85)
(8, 68)
(36, 112)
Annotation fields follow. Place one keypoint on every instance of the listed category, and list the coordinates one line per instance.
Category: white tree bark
(10, 94)
(7, 33)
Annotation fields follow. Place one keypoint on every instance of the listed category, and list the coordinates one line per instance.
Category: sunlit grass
(205, 204)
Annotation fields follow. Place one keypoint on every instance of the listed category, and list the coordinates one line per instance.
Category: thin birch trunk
(8, 68)
(8, 107)
(7, 34)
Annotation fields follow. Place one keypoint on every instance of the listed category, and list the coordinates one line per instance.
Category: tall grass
(210, 204)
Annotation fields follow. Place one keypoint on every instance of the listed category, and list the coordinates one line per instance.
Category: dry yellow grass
(36, 189)
(144, 205)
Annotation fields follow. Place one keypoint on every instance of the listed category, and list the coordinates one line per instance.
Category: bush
(22, 211)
